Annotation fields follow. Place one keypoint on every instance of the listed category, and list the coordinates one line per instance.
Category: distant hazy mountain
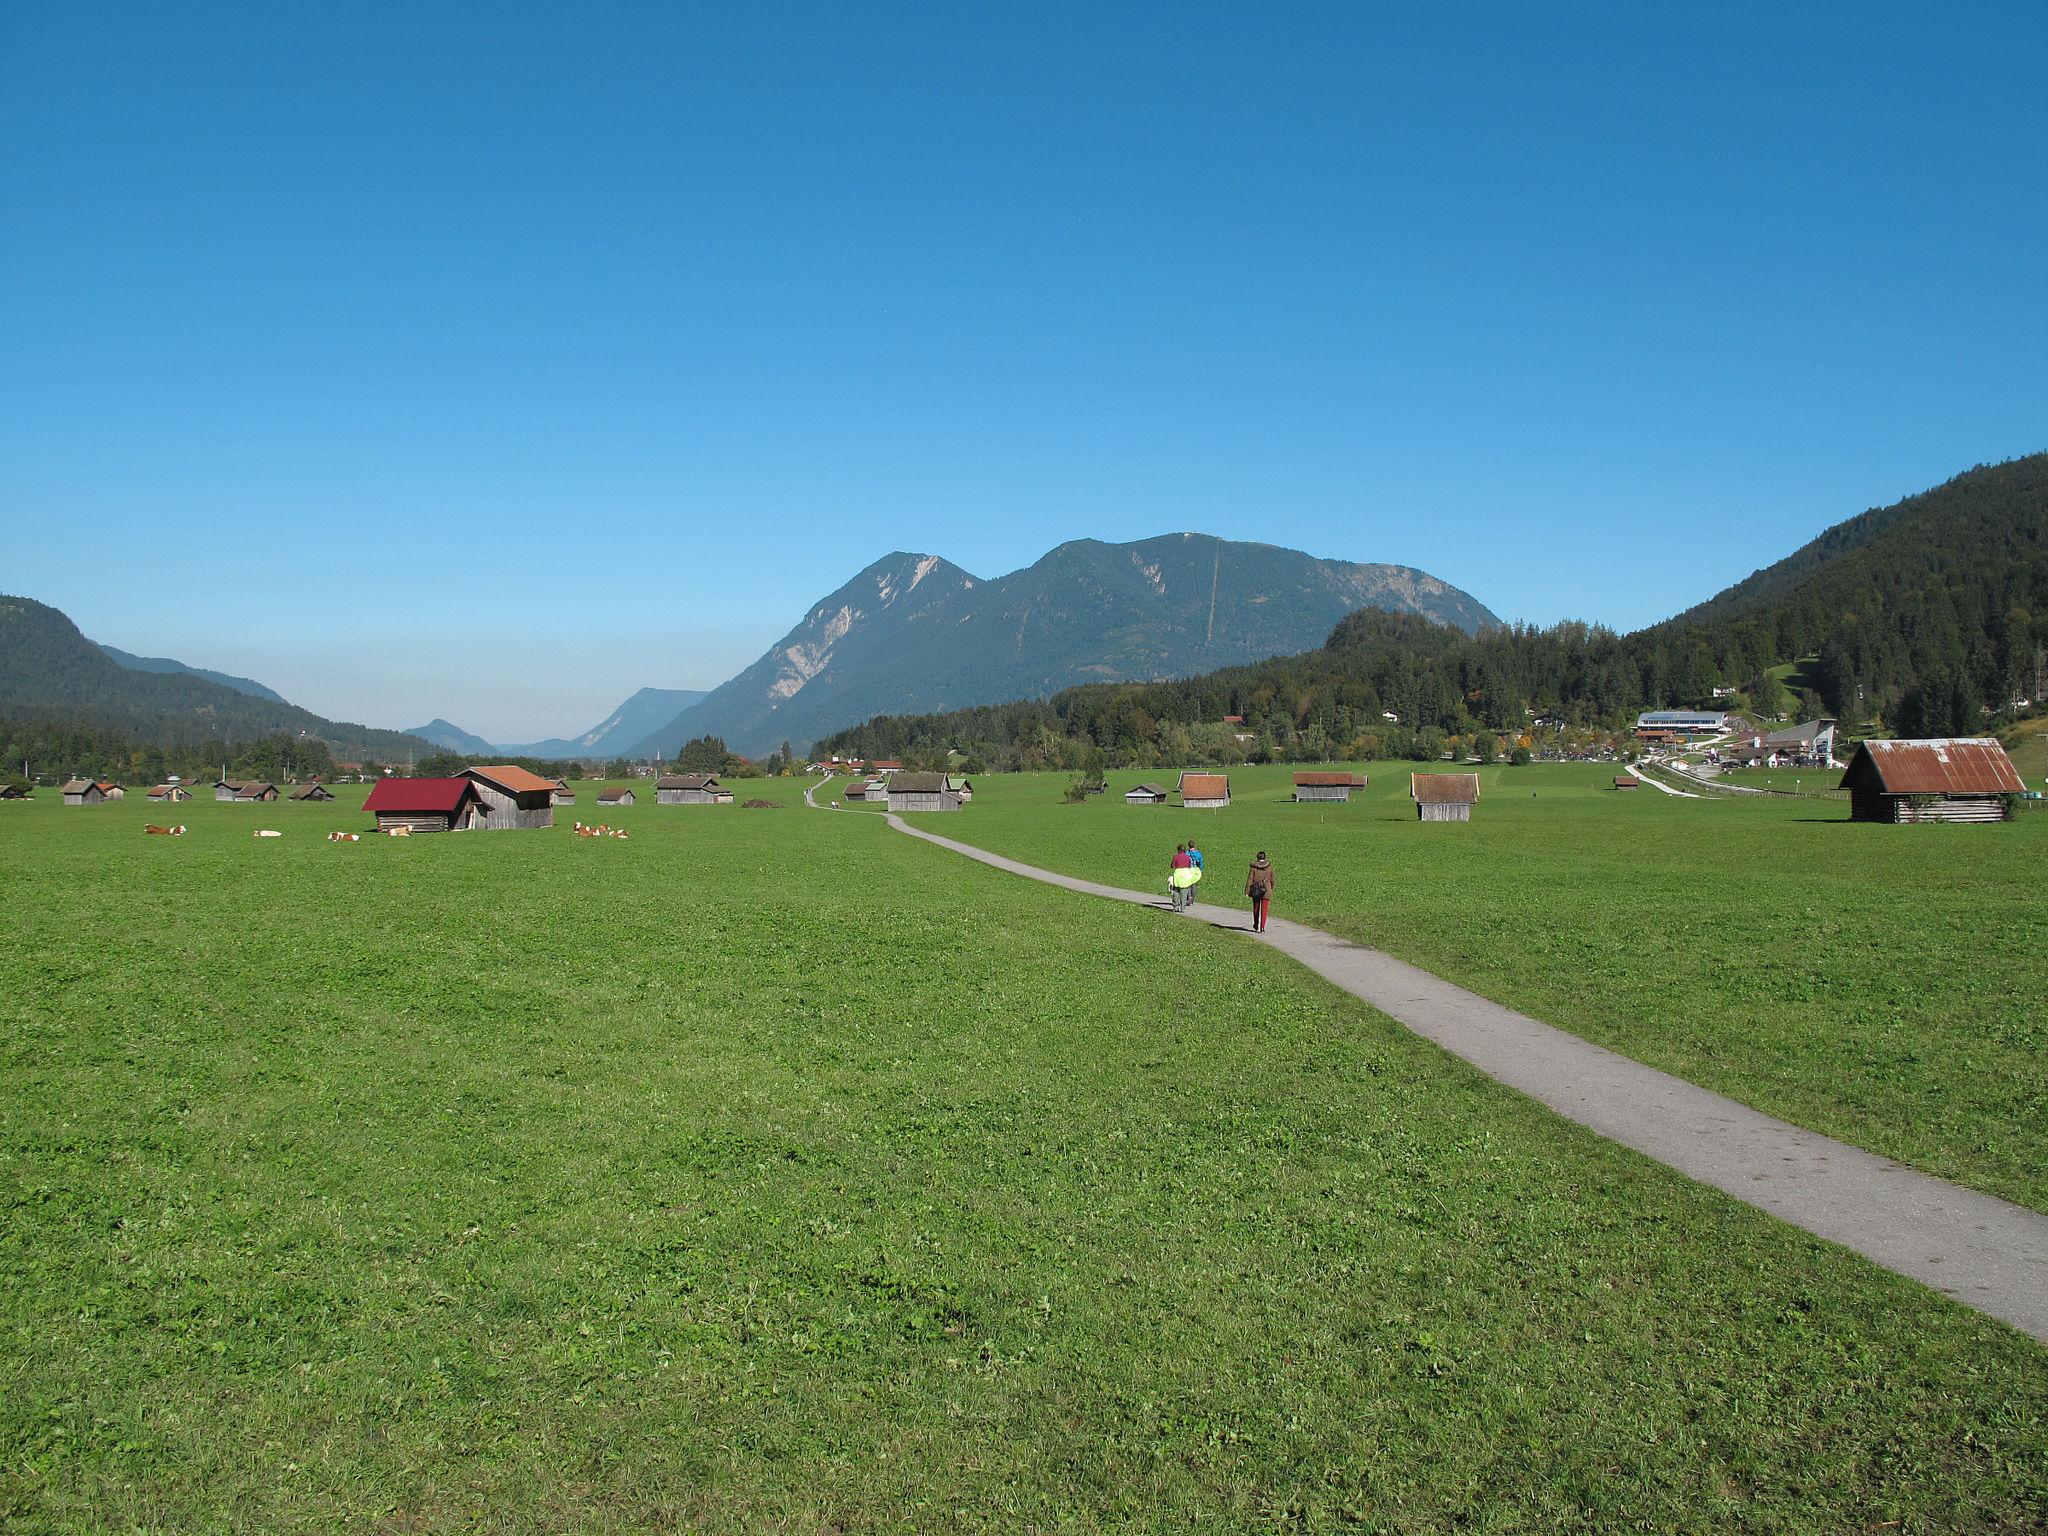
(646, 711)
(49, 671)
(136, 663)
(915, 633)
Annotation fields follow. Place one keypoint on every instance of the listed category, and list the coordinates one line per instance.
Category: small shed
(563, 794)
(243, 789)
(426, 805)
(956, 785)
(1145, 794)
(167, 794)
(686, 789)
(856, 789)
(615, 797)
(1964, 778)
(1444, 796)
(84, 792)
(12, 792)
(514, 800)
(111, 790)
(1326, 786)
(312, 792)
(1624, 781)
(1205, 791)
(921, 792)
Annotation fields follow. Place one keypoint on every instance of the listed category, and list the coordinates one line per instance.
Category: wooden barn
(1625, 781)
(686, 789)
(1948, 779)
(921, 792)
(312, 792)
(1444, 796)
(111, 790)
(513, 799)
(426, 805)
(956, 785)
(84, 792)
(167, 794)
(1327, 786)
(1205, 791)
(563, 794)
(615, 797)
(1145, 794)
(856, 789)
(244, 789)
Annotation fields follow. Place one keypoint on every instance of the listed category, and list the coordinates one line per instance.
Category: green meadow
(772, 1171)
(1881, 984)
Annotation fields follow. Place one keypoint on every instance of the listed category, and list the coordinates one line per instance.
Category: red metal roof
(1444, 788)
(415, 797)
(1328, 780)
(1967, 765)
(1205, 786)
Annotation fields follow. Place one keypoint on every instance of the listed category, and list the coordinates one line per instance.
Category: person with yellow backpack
(1181, 876)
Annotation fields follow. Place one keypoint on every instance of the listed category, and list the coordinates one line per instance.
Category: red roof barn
(425, 805)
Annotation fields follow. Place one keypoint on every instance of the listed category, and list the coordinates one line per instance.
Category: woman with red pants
(1259, 886)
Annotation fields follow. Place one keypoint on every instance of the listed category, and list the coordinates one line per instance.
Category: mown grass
(1880, 984)
(1818, 783)
(770, 1171)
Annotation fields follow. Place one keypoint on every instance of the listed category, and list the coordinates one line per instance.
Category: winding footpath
(1980, 1250)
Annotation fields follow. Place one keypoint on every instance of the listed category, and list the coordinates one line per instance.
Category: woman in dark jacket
(1258, 885)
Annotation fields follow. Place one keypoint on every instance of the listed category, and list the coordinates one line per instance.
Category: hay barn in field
(563, 794)
(84, 792)
(956, 785)
(111, 790)
(856, 789)
(513, 799)
(244, 789)
(615, 797)
(1444, 796)
(426, 805)
(312, 792)
(166, 794)
(920, 792)
(1145, 794)
(686, 789)
(1327, 786)
(1624, 781)
(1205, 791)
(1963, 778)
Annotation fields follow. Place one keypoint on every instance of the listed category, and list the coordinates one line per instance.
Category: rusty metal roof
(1205, 786)
(1963, 765)
(1444, 788)
(1328, 781)
(510, 776)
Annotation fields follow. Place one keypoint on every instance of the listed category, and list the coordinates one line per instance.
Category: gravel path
(1982, 1251)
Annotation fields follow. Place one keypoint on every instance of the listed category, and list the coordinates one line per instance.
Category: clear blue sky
(493, 362)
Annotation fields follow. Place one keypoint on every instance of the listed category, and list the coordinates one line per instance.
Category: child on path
(1258, 884)
(1180, 878)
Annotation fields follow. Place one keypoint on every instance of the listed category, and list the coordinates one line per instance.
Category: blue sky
(493, 362)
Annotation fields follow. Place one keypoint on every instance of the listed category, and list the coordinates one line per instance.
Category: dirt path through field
(1980, 1250)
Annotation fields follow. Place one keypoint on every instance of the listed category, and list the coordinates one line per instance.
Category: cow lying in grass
(156, 831)
(600, 830)
(267, 833)
(344, 837)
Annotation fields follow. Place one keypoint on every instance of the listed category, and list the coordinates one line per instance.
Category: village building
(513, 799)
(1947, 779)
(920, 792)
(615, 797)
(1327, 786)
(1205, 791)
(1811, 745)
(885, 766)
(426, 805)
(312, 792)
(1444, 796)
(84, 792)
(1680, 724)
(166, 794)
(686, 789)
(1145, 794)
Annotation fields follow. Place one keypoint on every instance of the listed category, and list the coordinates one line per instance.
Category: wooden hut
(1205, 791)
(312, 792)
(686, 789)
(1444, 796)
(1624, 781)
(957, 785)
(244, 789)
(1145, 794)
(84, 792)
(563, 794)
(856, 789)
(513, 799)
(111, 790)
(1948, 779)
(1326, 786)
(426, 805)
(615, 797)
(921, 792)
(168, 794)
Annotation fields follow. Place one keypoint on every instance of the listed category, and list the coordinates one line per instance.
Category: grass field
(1881, 984)
(1819, 783)
(2027, 745)
(770, 1171)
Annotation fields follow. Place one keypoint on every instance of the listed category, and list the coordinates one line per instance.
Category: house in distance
(1327, 786)
(312, 792)
(426, 805)
(1145, 794)
(1444, 796)
(1205, 791)
(615, 797)
(1964, 778)
(686, 789)
(920, 792)
(243, 789)
(84, 792)
(513, 799)
(168, 794)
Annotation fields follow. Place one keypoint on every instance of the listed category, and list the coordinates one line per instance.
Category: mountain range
(641, 716)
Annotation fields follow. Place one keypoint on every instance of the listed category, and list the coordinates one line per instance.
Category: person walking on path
(1258, 884)
(1180, 878)
(1195, 890)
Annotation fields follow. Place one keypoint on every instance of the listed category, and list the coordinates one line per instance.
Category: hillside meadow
(770, 1170)
(1880, 984)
